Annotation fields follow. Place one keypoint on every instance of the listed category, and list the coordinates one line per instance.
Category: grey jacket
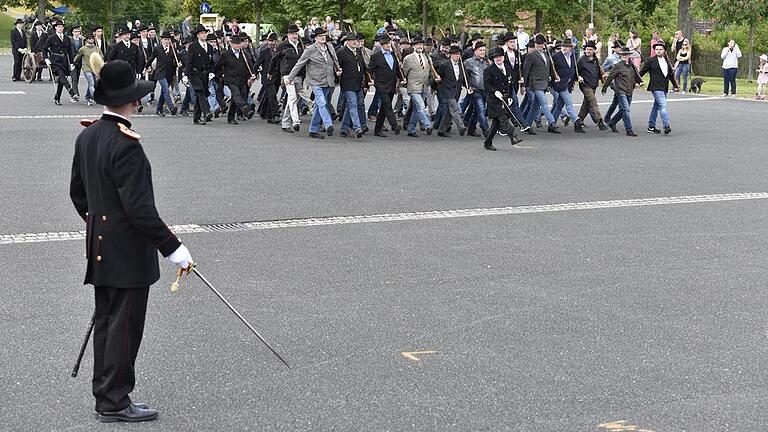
(321, 70)
(536, 70)
(417, 78)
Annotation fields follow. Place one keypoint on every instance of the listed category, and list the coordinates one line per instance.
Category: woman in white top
(634, 43)
(730, 56)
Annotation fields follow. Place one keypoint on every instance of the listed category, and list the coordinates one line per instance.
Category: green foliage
(6, 24)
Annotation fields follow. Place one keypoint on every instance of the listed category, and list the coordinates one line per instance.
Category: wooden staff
(435, 75)
(466, 83)
(252, 77)
(552, 66)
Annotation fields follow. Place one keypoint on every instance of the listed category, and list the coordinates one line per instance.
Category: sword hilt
(179, 274)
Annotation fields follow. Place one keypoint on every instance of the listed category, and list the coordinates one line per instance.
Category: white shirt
(664, 66)
(106, 111)
(204, 45)
(730, 58)
(456, 70)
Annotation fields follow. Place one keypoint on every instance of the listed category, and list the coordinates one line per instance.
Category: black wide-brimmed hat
(508, 36)
(417, 40)
(292, 28)
(200, 28)
(135, 35)
(210, 37)
(540, 39)
(320, 31)
(590, 44)
(445, 41)
(566, 43)
(118, 86)
(166, 35)
(122, 31)
(272, 36)
(659, 43)
(384, 39)
(360, 36)
(19, 21)
(454, 50)
(57, 23)
(236, 39)
(625, 51)
(496, 52)
(479, 44)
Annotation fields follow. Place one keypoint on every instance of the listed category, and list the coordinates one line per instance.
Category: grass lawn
(714, 87)
(6, 25)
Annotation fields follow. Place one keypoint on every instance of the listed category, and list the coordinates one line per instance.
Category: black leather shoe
(208, 117)
(613, 128)
(359, 133)
(443, 134)
(515, 140)
(217, 112)
(530, 131)
(429, 131)
(296, 127)
(57, 102)
(578, 126)
(160, 113)
(287, 130)
(462, 131)
(316, 135)
(233, 121)
(553, 129)
(132, 413)
(329, 130)
(365, 129)
(413, 134)
(667, 130)
(602, 126)
(489, 147)
(397, 129)
(472, 133)
(140, 108)
(141, 405)
(379, 134)
(631, 133)
(200, 122)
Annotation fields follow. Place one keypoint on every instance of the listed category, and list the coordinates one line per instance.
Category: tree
(749, 12)
(684, 18)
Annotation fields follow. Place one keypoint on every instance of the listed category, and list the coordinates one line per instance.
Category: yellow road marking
(411, 355)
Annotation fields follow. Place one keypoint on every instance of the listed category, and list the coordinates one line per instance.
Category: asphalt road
(559, 320)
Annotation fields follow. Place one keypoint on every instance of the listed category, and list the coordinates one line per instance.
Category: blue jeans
(623, 114)
(212, 102)
(90, 78)
(189, 98)
(476, 101)
(729, 77)
(165, 96)
(659, 107)
(420, 113)
(564, 101)
(683, 70)
(374, 108)
(539, 106)
(351, 113)
(320, 115)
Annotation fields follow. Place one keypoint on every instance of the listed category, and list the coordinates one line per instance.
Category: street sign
(205, 8)
(703, 26)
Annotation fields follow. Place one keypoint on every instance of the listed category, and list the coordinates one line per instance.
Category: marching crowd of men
(418, 82)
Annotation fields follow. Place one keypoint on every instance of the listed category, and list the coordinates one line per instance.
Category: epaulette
(128, 132)
(87, 122)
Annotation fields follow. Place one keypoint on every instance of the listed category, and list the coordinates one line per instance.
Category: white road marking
(12, 92)
(408, 216)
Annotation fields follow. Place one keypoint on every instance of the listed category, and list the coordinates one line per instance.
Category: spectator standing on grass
(635, 44)
(730, 55)
(762, 77)
(678, 40)
(655, 38)
(683, 64)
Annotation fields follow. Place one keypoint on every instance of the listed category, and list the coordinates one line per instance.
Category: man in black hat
(612, 60)
(565, 66)
(124, 50)
(385, 71)
(660, 70)
(111, 189)
(36, 42)
(99, 40)
(537, 72)
(199, 69)
(417, 71)
(351, 82)
(268, 107)
(449, 91)
(591, 74)
(626, 77)
(499, 85)
(475, 98)
(58, 57)
(76, 42)
(18, 47)
(166, 61)
(235, 71)
(286, 56)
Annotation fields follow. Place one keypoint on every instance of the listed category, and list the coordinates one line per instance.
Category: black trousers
(201, 103)
(502, 124)
(62, 81)
(117, 332)
(238, 100)
(16, 65)
(76, 79)
(385, 110)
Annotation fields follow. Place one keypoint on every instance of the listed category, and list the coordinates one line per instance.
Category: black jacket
(18, 40)
(449, 86)
(74, 47)
(352, 69)
(57, 50)
(111, 188)
(285, 59)
(264, 61)
(384, 79)
(515, 69)
(198, 65)
(35, 41)
(589, 71)
(165, 64)
(567, 73)
(233, 70)
(658, 81)
(130, 53)
(494, 80)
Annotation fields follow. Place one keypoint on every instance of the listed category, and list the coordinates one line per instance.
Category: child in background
(762, 77)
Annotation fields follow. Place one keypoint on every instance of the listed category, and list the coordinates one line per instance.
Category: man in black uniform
(236, 74)
(57, 55)
(76, 42)
(18, 44)
(111, 189)
(199, 69)
(124, 50)
(499, 82)
(36, 41)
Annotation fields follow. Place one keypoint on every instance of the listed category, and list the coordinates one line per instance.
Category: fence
(709, 63)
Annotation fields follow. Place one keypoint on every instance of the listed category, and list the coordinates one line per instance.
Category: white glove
(71, 67)
(21, 50)
(211, 76)
(498, 95)
(48, 62)
(181, 257)
(185, 80)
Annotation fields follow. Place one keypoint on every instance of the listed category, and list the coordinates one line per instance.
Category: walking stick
(76, 369)
(193, 269)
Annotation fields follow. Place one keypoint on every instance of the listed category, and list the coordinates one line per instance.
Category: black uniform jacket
(494, 80)
(449, 86)
(18, 40)
(35, 41)
(514, 68)
(384, 79)
(129, 53)
(658, 81)
(285, 59)
(233, 70)
(199, 64)
(165, 64)
(57, 50)
(352, 69)
(111, 188)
